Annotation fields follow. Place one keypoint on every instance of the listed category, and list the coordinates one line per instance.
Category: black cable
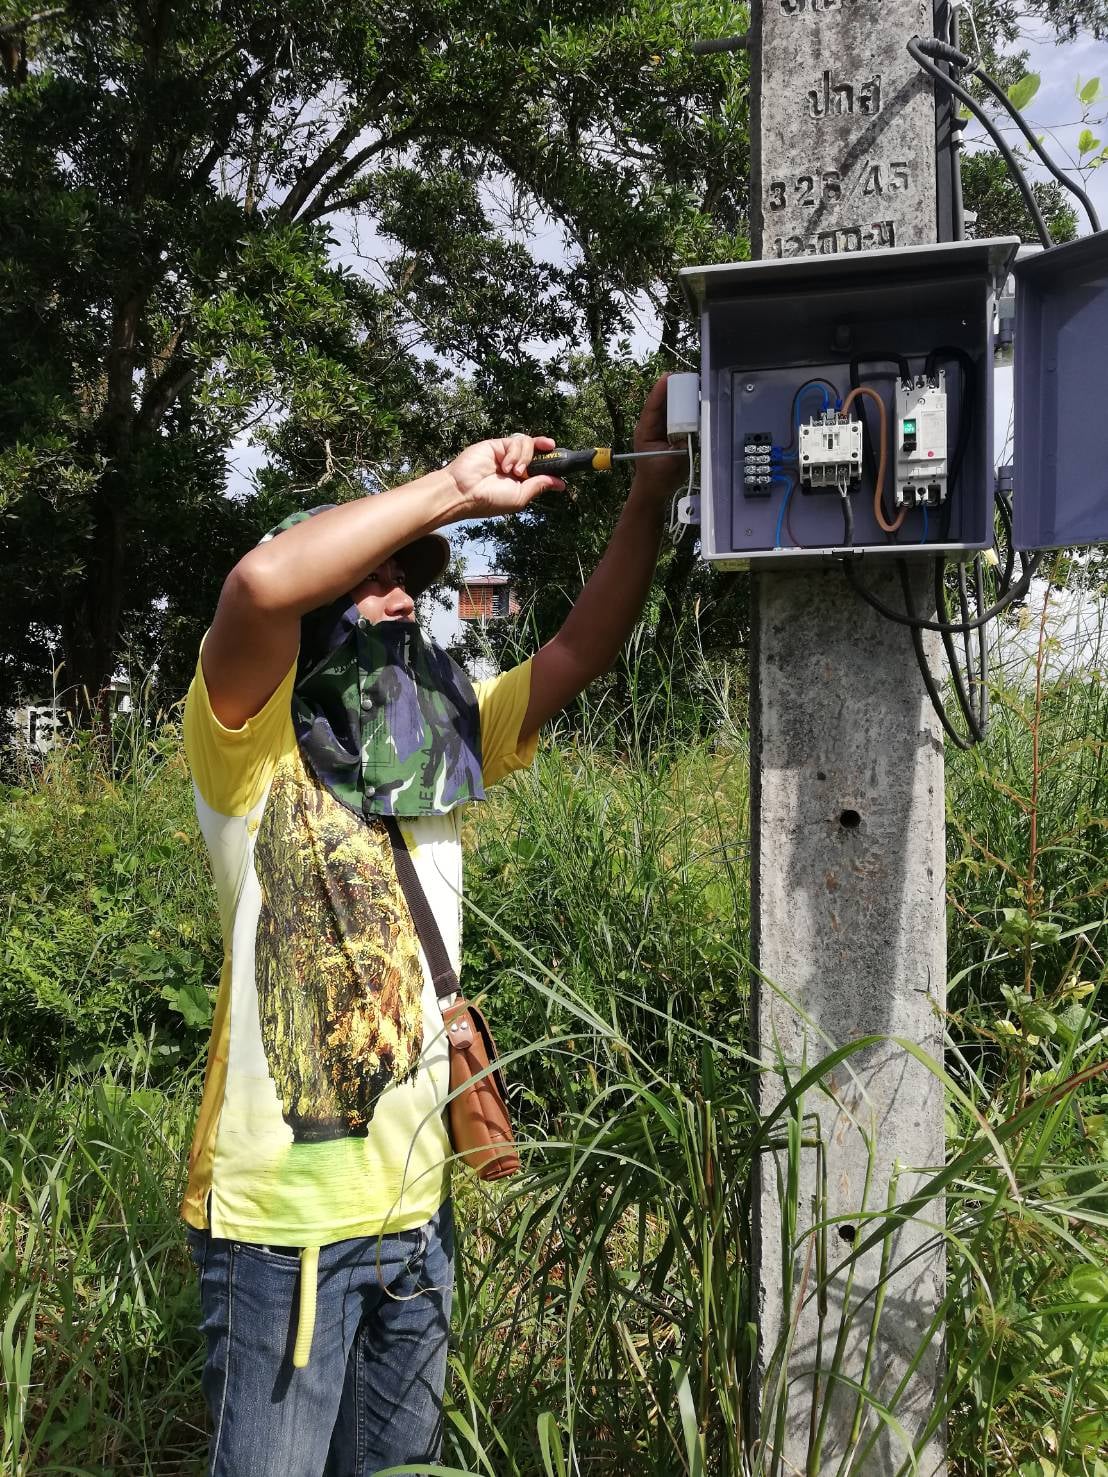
(921, 657)
(967, 635)
(905, 371)
(957, 200)
(1016, 592)
(1009, 538)
(964, 698)
(966, 400)
(990, 128)
(880, 356)
(720, 43)
(976, 714)
(848, 519)
(982, 643)
(943, 51)
(967, 396)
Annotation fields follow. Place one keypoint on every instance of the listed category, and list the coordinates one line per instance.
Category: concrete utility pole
(847, 780)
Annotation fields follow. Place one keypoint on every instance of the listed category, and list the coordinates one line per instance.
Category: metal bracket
(687, 511)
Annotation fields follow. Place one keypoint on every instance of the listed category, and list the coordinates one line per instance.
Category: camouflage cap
(424, 561)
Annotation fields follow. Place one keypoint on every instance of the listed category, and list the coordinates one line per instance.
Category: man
(318, 1198)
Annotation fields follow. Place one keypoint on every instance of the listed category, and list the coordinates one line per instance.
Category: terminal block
(921, 453)
(830, 451)
(757, 468)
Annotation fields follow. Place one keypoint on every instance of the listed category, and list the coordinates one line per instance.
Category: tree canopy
(359, 235)
(341, 228)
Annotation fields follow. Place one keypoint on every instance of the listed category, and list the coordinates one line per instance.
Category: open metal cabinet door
(1061, 396)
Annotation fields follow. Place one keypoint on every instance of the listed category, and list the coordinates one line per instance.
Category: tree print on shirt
(337, 963)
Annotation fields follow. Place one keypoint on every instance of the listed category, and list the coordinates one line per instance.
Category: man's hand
(612, 601)
(658, 476)
(491, 477)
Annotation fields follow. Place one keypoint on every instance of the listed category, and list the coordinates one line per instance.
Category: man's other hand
(657, 476)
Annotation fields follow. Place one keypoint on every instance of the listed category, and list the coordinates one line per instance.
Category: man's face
(382, 596)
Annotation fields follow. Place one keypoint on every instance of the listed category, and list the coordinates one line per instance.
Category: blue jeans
(371, 1394)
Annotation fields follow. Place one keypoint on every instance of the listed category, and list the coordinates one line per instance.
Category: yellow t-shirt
(322, 1112)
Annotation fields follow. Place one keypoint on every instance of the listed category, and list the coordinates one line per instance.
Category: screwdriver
(596, 459)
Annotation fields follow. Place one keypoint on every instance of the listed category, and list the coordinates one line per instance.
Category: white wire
(675, 528)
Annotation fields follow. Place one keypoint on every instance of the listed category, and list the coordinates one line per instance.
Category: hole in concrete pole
(848, 1233)
(850, 819)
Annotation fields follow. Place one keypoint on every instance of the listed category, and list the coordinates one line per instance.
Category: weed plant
(109, 935)
(99, 1355)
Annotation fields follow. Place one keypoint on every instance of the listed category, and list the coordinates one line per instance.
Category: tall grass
(607, 1320)
(98, 1349)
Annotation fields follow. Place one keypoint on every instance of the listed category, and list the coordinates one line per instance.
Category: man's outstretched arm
(606, 610)
(256, 630)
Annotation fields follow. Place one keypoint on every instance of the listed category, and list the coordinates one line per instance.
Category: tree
(359, 234)
(185, 187)
(988, 189)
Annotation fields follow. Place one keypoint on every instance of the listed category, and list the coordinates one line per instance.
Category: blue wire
(790, 483)
(923, 538)
(811, 385)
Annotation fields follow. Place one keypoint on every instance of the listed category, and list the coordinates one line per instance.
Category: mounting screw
(749, 388)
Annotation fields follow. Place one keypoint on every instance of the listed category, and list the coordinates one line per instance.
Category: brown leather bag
(480, 1125)
(480, 1128)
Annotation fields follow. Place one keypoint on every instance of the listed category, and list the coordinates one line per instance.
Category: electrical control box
(824, 357)
(921, 462)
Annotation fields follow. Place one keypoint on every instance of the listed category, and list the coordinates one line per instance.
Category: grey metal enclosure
(783, 342)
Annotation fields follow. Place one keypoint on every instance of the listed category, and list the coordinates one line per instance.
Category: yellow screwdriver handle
(558, 463)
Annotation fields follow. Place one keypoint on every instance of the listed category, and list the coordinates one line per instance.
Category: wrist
(648, 500)
(446, 503)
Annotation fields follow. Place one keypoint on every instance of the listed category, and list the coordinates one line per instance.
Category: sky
(1054, 113)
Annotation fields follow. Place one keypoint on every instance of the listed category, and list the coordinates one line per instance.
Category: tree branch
(159, 400)
(226, 123)
(310, 177)
(14, 28)
(320, 206)
(119, 410)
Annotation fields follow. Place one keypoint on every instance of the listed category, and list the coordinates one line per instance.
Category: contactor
(831, 451)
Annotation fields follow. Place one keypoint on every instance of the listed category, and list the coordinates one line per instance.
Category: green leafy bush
(110, 937)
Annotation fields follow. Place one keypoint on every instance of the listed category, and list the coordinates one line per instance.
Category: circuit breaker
(810, 366)
(921, 460)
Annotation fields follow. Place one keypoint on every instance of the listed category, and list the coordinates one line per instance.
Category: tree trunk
(91, 617)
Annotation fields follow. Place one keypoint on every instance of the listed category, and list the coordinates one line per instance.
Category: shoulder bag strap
(443, 975)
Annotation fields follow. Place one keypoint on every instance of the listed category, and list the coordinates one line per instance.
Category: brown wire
(882, 460)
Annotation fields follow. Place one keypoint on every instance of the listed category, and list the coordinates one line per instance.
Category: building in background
(486, 597)
(482, 600)
(39, 727)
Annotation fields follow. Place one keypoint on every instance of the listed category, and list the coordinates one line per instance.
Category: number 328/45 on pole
(826, 185)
